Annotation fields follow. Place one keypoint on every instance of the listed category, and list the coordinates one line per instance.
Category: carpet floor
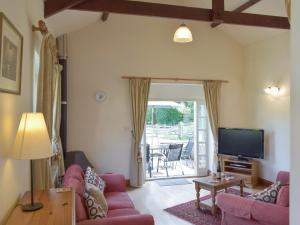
(188, 211)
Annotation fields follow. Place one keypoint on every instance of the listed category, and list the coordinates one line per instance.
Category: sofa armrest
(124, 220)
(270, 213)
(114, 182)
(251, 209)
(235, 205)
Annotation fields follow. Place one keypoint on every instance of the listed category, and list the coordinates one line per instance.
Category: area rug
(171, 182)
(188, 211)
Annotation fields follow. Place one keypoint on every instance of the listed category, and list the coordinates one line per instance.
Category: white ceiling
(72, 20)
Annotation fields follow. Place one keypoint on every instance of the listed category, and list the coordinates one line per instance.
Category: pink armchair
(237, 210)
(120, 207)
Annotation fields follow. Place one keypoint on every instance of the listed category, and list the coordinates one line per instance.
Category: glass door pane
(202, 139)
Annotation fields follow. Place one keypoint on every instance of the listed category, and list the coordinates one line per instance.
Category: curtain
(212, 91)
(288, 8)
(56, 141)
(139, 92)
(48, 102)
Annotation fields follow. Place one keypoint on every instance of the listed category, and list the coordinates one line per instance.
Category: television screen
(241, 142)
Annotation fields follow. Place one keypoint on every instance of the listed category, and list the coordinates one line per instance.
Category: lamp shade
(32, 140)
(183, 34)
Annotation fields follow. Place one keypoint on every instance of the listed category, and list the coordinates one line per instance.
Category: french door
(201, 138)
(201, 126)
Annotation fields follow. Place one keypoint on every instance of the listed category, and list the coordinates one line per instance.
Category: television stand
(241, 158)
(247, 169)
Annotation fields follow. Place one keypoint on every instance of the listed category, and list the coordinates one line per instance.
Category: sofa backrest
(283, 195)
(74, 171)
(74, 178)
(283, 177)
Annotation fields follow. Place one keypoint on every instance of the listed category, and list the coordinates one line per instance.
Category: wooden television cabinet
(248, 169)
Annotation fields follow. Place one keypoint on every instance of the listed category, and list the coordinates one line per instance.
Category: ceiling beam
(177, 12)
(246, 5)
(52, 7)
(239, 9)
(145, 9)
(249, 19)
(218, 7)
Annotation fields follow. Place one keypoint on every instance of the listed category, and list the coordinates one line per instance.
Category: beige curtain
(56, 141)
(212, 91)
(139, 92)
(48, 102)
(288, 8)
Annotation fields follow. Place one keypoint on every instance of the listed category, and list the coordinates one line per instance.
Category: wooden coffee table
(213, 185)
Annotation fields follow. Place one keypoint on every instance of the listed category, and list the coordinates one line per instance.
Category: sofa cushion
(269, 194)
(92, 177)
(283, 196)
(98, 195)
(118, 200)
(95, 211)
(74, 171)
(122, 212)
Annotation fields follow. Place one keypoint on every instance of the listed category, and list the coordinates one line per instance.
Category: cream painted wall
(14, 175)
(267, 63)
(139, 46)
(295, 112)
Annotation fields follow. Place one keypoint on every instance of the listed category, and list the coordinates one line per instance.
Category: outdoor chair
(187, 153)
(172, 154)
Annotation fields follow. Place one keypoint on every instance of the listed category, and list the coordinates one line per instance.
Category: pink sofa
(120, 207)
(244, 211)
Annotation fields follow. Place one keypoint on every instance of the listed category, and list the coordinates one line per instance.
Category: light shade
(183, 34)
(274, 91)
(32, 140)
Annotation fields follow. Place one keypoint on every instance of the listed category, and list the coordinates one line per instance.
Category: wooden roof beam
(239, 9)
(176, 12)
(218, 8)
(52, 7)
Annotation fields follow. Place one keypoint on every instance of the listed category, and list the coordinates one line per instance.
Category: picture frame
(11, 56)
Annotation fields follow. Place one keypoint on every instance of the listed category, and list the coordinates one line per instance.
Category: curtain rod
(174, 79)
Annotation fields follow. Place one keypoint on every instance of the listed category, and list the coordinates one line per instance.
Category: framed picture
(11, 51)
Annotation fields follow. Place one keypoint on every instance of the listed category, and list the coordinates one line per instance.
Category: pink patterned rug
(188, 211)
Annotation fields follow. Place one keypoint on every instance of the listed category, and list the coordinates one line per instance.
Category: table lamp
(32, 142)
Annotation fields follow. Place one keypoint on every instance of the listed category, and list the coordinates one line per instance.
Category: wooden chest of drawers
(59, 209)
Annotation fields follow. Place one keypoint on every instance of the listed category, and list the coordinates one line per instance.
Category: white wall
(175, 91)
(14, 175)
(139, 46)
(295, 112)
(267, 63)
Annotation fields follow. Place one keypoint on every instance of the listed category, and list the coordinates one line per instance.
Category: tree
(164, 116)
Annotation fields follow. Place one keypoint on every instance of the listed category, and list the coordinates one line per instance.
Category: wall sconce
(273, 90)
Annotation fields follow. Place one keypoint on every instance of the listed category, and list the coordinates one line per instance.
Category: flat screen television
(243, 143)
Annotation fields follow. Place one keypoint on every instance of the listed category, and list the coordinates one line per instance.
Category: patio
(170, 139)
(158, 165)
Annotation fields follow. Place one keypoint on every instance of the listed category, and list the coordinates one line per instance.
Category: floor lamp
(32, 142)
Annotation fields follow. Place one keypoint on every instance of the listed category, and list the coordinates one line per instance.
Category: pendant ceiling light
(183, 34)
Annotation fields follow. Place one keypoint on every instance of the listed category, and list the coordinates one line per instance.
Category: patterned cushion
(269, 194)
(98, 195)
(95, 211)
(92, 177)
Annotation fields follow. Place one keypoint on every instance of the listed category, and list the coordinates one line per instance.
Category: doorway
(176, 132)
